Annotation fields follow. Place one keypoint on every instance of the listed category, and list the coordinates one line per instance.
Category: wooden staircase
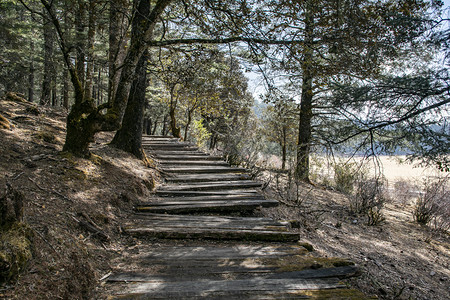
(220, 254)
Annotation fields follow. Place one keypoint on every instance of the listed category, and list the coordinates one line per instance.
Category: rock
(432, 273)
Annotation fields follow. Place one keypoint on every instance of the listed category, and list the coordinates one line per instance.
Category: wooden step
(227, 289)
(207, 206)
(166, 265)
(203, 169)
(226, 197)
(208, 227)
(187, 157)
(213, 185)
(172, 152)
(245, 192)
(168, 147)
(184, 163)
(236, 270)
(206, 177)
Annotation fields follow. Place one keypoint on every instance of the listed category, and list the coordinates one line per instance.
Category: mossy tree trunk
(85, 118)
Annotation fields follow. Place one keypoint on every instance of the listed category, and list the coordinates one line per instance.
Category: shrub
(433, 204)
(345, 175)
(369, 199)
(200, 133)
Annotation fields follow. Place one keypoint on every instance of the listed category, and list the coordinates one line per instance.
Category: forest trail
(207, 249)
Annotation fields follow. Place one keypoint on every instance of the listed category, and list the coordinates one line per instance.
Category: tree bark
(283, 147)
(129, 136)
(80, 40)
(85, 119)
(65, 93)
(90, 50)
(31, 74)
(48, 61)
(304, 132)
(116, 41)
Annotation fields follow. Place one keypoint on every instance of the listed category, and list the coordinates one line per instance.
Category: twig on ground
(49, 191)
(47, 242)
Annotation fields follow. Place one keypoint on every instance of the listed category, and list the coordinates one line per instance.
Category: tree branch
(223, 41)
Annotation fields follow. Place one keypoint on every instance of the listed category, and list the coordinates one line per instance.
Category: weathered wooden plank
(177, 152)
(214, 185)
(208, 206)
(203, 169)
(206, 193)
(218, 219)
(207, 288)
(207, 177)
(156, 144)
(239, 251)
(232, 271)
(168, 148)
(219, 197)
(181, 201)
(187, 156)
(168, 163)
(212, 234)
(167, 223)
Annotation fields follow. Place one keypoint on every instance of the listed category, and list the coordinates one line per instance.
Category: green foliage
(345, 175)
(200, 133)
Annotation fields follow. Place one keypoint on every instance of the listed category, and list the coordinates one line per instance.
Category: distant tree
(280, 123)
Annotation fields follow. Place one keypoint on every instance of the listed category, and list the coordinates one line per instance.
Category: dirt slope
(60, 192)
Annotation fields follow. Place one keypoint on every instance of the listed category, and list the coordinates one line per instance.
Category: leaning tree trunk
(304, 130)
(129, 136)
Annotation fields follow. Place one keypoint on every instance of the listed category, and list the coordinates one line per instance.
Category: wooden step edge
(214, 234)
(205, 202)
(205, 208)
(264, 272)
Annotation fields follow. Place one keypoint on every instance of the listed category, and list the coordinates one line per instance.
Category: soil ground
(399, 259)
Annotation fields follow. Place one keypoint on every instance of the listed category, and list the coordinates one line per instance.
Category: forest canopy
(350, 76)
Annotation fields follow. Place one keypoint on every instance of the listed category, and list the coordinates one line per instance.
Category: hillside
(75, 208)
(60, 192)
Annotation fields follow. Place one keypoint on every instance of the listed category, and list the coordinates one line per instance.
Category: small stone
(355, 221)
(432, 273)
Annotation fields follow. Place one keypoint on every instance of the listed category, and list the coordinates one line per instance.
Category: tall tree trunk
(164, 128)
(129, 136)
(48, 61)
(188, 123)
(90, 50)
(176, 132)
(80, 40)
(304, 132)
(31, 74)
(65, 93)
(116, 42)
(283, 148)
(65, 76)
